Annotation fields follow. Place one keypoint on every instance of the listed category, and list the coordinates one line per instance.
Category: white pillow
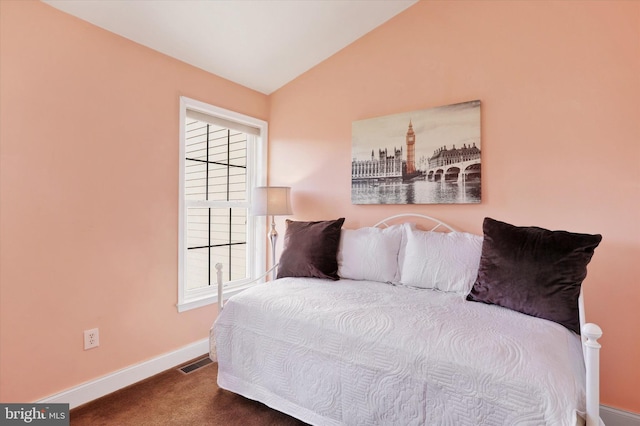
(370, 254)
(406, 228)
(443, 261)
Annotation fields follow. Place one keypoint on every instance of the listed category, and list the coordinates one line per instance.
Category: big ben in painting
(411, 150)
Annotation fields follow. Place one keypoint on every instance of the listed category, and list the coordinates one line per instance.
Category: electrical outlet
(91, 338)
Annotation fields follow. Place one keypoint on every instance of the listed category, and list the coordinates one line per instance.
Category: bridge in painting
(461, 172)
(455, 164)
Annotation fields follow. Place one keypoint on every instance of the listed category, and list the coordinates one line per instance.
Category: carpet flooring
(175, 398)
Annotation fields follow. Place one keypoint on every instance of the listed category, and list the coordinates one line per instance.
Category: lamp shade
(271, 201)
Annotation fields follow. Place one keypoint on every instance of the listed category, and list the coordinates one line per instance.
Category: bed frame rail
(592, 365)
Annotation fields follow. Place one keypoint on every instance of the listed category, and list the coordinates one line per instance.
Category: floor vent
(190, 368)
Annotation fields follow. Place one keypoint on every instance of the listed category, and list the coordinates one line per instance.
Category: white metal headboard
(424, 221)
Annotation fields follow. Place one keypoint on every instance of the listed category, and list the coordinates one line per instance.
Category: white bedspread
(368, 353)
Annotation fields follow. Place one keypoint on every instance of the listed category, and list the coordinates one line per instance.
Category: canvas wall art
(429, 156)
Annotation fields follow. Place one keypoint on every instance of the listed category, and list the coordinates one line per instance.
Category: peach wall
(560, 89)
(89, 208)
(92, 243)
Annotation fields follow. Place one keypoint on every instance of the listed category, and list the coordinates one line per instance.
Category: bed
(399, 339)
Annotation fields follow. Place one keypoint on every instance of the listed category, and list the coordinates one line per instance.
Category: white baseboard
(102, 386)
(615, 417)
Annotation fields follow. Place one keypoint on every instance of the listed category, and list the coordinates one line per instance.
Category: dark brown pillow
(310, 249)
(533, 270)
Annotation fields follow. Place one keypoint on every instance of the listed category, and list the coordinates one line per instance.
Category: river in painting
(416, 192)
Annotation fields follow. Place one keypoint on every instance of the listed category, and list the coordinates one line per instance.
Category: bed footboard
(592, 364)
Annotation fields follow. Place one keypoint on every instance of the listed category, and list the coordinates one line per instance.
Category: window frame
(256, 176)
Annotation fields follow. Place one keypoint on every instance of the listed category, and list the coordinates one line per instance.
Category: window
(222, 158)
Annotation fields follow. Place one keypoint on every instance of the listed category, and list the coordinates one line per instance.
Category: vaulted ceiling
(260, 44)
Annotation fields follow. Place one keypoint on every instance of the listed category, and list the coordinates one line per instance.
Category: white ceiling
(260, 44)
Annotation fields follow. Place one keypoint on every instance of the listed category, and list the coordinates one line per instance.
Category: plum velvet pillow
(533, 270)
(310, 249)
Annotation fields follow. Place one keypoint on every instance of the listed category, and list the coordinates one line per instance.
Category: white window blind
(219, 172)
(215, 173)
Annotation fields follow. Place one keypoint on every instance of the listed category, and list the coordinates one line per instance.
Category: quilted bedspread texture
(368, 353)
